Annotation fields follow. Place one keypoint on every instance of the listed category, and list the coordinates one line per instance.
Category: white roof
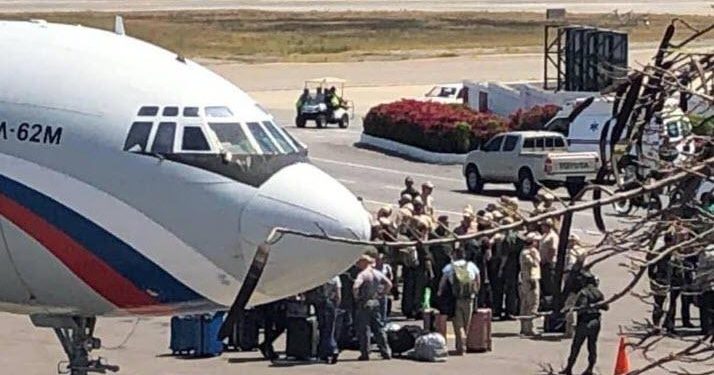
(326, 80)
(534, 133)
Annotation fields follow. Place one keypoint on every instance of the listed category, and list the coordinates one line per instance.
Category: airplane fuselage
(94, 222)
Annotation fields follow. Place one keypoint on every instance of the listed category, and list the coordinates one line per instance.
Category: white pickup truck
(527, 159)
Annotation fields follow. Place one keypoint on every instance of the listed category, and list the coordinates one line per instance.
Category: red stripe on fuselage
(85, 265)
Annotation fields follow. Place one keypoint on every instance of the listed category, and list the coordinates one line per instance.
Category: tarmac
(141, 347)
(597, 6)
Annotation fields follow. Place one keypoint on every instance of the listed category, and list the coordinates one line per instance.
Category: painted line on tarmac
(346, 181)
(386, 170)
(393, 187)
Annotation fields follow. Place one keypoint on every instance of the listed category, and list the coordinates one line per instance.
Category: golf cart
(316, 108)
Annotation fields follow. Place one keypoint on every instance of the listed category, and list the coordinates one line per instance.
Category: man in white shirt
(463, 278)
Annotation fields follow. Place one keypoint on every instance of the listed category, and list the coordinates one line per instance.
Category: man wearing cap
(420, 213)
(530, 283)
(548, 257)
(481, 255)
(369, 286)
(574, 262)
(405, 199)
(417, 276)
(441, 256)
(509, 206)
(409, 188)
(467, 222)
(576, 253)
(588, 328)
(426, 189)
(384, 222)
(404, 213)
(505, 279)
(545, 205)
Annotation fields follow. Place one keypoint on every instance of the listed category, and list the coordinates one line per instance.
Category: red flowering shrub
(447, 128)
(533, 118)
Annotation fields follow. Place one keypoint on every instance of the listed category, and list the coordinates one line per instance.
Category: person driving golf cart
(326, 106)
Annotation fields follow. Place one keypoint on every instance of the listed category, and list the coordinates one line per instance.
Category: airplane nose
(304, 198)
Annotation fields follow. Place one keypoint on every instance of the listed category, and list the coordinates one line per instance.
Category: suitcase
(210, 346)
(479, 336)
(196, 335)
(435, 322)
(185, 335)
(302, 338)
(245, 333)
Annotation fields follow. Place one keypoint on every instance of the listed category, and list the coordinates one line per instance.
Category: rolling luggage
(302, 338)
(435, 322)
(404, 339)
(245, 333)
(196, 335)
(185, 335)
(479, 336)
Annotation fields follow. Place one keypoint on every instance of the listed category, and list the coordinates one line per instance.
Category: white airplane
(136, 182)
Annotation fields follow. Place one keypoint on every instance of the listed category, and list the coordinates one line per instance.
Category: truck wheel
(300, 121)
(526, 186)
(473, 179)
(321, 121)
(574, 188)
(344, 121)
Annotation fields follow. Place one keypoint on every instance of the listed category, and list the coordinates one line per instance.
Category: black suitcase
(246, 332)
(302, 338)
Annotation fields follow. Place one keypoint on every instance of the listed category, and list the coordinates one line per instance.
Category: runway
(597, 6)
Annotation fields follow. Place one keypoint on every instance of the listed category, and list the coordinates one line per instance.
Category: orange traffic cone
(622, 363)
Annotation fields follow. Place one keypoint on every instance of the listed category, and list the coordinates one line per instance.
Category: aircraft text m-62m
(33, 133)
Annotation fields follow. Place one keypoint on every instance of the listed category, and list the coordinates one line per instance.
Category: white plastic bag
(430, 348)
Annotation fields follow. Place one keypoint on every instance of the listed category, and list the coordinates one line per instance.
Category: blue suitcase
(196, 335)
(211, 346)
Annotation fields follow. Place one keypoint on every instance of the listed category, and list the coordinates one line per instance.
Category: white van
(672, 128)
(584, 132)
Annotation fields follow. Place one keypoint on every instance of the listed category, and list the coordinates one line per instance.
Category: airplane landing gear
(76, 334)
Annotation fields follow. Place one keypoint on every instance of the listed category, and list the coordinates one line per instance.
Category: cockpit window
(148, 111)
(170, 111)
(299, 145)
(164, 139)
(138, 137)
(194, 140)
(232, 137)
(218, 112)
(190, 112)
(262, 138)
(279, 137)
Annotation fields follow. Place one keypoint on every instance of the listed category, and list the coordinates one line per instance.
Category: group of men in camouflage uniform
(516, 266)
